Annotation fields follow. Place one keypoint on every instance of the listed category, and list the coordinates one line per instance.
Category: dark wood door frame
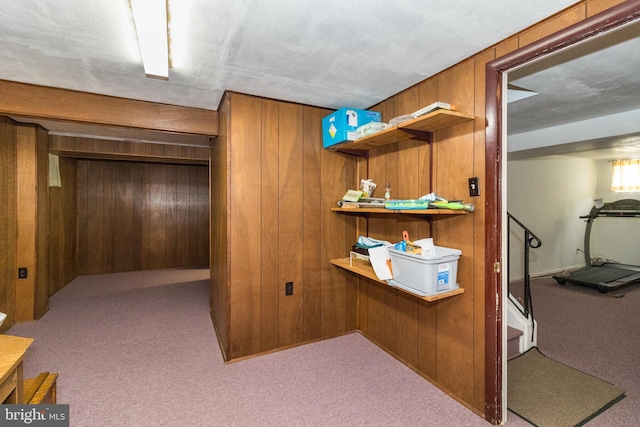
(495, 154)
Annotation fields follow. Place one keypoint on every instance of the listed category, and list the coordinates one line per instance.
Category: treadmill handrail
(624, 208)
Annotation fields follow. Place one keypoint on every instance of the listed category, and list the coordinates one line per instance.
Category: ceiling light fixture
(150, 18)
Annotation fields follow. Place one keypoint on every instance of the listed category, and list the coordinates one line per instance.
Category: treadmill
(605, 275)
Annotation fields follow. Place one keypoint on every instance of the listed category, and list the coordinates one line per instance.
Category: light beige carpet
(548, 393)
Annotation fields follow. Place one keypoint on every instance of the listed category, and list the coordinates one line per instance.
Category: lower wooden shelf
(364, 269)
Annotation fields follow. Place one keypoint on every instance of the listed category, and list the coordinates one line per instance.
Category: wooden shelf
(365, 270)
(416, 128)
(384, 211)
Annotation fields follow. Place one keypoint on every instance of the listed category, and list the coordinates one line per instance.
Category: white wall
(548, 195)
(614, 239)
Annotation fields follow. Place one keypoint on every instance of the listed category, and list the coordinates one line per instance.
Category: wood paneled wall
(444, 341)
(23, 221)
(141, 216)
(27, 100)
(8, 220)
(105, 149)
(436, 339)
(220, 222)
(278, 228)
(63, 227)
(32, 296)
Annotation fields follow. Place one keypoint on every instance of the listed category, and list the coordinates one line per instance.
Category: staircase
(513, 342)
(521, 326)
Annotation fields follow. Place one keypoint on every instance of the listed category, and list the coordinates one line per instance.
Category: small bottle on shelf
(387, 191)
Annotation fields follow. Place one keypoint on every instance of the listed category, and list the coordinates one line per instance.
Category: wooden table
(12, 350)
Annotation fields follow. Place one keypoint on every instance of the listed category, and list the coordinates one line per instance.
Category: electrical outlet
(288, 288)
(22, 272)
(474, 187)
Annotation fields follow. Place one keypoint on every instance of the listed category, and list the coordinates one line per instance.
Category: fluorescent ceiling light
(515, 93)
(150, 17)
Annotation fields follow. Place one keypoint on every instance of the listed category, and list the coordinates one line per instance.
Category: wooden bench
(40, 390)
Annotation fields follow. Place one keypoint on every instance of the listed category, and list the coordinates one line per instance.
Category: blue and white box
(341, 125)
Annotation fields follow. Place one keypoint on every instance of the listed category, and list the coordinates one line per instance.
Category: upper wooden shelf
(416, 128)
(365, 270)
(402, 211)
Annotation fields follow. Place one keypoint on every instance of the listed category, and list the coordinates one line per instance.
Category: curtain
(625, 175)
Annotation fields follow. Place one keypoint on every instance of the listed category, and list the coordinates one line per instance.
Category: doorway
(497, 180)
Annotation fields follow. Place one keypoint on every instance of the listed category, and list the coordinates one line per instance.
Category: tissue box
(341, 125)
(426, 276)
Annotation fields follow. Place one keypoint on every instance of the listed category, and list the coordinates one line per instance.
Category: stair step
(513, 342)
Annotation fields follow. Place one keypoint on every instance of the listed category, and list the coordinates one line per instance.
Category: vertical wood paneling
(443, 340)
(32, 295)
(123, 258)
(454, 147)
(182, 210)
(157, 217)
(383, 168)
(285, 232)
(27, 224)
(245, 251)
(8, 219)
(290, 226)
(202, 256)
(220, 221)
(408, 188)
(312, 228)
(334, 243)
(193, 213)
(138, 216)
(172, 214)
(427, 361)
(353, 227)
(110, 173)
(140, 243)
(506, 47)
(596, 6)
(479, 236)
(94, 244)
(63, 227)
(41, 303)
(145, 218)
(83, 216)
(269, 184)
(553, 25)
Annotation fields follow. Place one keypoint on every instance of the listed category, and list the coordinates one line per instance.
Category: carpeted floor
(138, 349)
(595, 333)
(550, 394)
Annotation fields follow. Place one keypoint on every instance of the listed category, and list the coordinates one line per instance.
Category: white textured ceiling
(588, 102)
(330, 53)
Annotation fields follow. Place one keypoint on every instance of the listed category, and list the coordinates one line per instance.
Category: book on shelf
(432, 107)
(362, 203)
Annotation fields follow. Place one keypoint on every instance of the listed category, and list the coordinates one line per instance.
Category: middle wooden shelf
(383, 211)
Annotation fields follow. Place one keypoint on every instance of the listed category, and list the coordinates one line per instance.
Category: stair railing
(530, 241)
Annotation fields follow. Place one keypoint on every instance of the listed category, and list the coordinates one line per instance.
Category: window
(625, 175)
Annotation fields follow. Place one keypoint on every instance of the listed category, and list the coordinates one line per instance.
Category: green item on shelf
(453, 205)
(406, 204)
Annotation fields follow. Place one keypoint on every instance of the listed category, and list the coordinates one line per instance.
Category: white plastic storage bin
(425, 276)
